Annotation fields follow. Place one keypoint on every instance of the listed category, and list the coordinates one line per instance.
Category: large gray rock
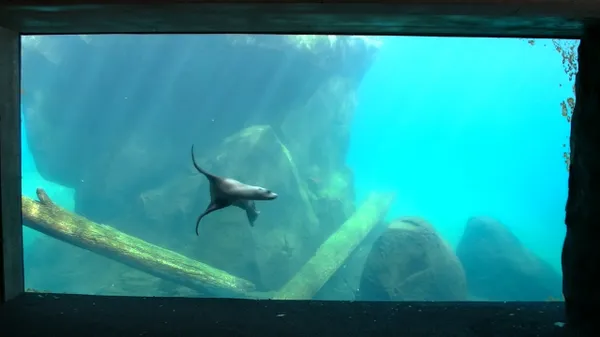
(500, 268)
(411, 262)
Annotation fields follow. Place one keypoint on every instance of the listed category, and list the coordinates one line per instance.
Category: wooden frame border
(485, 18)
(491, 18)
(11, 259)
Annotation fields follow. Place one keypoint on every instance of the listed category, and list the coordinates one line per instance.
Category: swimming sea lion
(226, 192)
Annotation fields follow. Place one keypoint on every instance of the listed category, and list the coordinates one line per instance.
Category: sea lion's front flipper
(215, 205)
(252, 215)
(250, 207)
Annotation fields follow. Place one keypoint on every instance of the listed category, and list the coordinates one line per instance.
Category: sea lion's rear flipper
(208, 175)
(213, 206)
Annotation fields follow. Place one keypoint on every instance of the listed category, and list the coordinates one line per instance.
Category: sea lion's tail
(200, 169)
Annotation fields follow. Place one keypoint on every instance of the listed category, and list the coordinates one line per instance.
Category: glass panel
(371, 168)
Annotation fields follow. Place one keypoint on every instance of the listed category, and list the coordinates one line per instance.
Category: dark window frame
(476, 18)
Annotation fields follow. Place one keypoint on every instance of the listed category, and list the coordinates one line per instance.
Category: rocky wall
(114, 117)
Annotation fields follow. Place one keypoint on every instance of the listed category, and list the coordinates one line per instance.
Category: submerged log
(44, 216)
(336, 249)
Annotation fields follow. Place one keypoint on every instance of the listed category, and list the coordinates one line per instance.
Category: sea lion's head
(261, 193)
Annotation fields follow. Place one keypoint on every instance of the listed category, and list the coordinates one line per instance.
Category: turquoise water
(464, 127)
(456, 128)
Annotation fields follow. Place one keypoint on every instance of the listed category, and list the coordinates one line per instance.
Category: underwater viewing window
(397, 173)
(276, 169)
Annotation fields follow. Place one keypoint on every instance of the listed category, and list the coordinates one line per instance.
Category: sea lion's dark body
(225, 192)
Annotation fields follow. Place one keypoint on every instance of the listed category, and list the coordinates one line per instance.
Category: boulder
(500, 268)
(411, 262)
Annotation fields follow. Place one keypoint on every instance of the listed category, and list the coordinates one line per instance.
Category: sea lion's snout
(265, 194)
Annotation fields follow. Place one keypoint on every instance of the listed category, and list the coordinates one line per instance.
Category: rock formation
(411, 262)
(500, 268)
(113, 117)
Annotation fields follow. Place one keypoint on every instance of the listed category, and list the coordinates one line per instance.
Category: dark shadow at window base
(36, 314)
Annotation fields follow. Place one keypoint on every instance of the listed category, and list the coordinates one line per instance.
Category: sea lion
(225, 192)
